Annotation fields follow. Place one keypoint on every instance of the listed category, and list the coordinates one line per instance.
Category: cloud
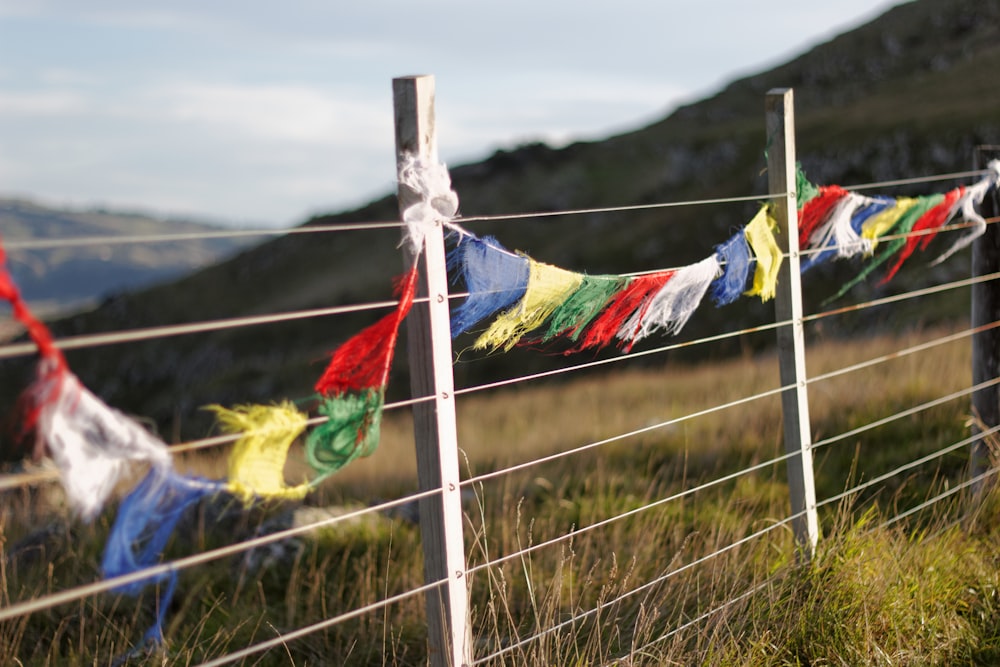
(41, 103)
(272, 112)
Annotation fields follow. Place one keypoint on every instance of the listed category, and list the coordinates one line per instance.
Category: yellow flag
(257, 462)
(760, 235)
(548, 287)
(883, 221)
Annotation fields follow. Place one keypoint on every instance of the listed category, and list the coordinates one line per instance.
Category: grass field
(710, 577)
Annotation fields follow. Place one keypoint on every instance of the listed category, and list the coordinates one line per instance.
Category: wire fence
(519, 612)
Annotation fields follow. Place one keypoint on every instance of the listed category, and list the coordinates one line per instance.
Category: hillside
(56, 280)
(910, 93)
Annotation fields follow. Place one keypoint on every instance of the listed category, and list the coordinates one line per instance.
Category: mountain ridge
(907, 93)
(61, 279)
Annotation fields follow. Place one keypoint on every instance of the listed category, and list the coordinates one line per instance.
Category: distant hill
(910, 93)
(60, 279)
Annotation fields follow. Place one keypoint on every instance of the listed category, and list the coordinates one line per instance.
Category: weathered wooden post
(985, 310)
(435, 432)
(780, 121)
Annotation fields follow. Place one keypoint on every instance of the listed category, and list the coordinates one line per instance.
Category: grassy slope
(917, 592)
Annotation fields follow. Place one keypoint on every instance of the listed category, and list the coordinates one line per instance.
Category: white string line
(149, 333)
(25, 479)
(617, 209)
(284, 638)
(725, 605)
(913, 349)
(854, 367)
(662, 578)
(920, 179)
(84, 241)
(18, 480)
(41, 244)
(718, 337)
(956, 226)
(634, 511)
(622, 436)
(966, 282)
(79, 592)
(913, 510)
(906, 413)
(621, 358)
(908, 466)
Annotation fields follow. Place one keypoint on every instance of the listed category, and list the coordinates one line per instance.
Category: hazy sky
(261, 113)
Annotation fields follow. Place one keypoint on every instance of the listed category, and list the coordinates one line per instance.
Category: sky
(260, 114)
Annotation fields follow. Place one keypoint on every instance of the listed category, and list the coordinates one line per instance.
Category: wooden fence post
(985, 310)
(780, 121)
(435, 432)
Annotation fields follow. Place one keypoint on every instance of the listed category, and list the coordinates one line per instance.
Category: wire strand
(909, 465)
(622, 436)
(663, 501)
(304, 631)
(51, 600)
(646, 586)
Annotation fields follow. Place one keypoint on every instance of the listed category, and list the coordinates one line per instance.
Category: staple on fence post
(780, 122)
(985, 311)
(435, 433)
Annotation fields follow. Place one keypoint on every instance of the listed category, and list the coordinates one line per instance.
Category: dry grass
(709, 577)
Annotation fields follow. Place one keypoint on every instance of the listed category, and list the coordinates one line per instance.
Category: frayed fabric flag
(352, 390)
(760, 236)
(805, 190)
(90, 442)
(847, 241)
(146, 519)
(815, 211)
(351, 430)
(902, 227)
(494, 277)
(583, 305)
(837, 233)
(927, 226)
(548, 287)
(882, 223)
(735, 259)
(633, 298)
(673, 305)
(973, 197)
(257, 460)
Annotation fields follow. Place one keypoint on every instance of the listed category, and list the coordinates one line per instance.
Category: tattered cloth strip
(880, 224)
(927, 225)
(437, 202)
(146, 519)
(902, 228)
(548, 287)
(633, 298)
(844, 242)
(815, 211)
(494, 277)
(571, 317)
(89, 442)
(735, 259)
(352, 389)
(760, 236)
(257, 460)
(673, 305)
(973, 197)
